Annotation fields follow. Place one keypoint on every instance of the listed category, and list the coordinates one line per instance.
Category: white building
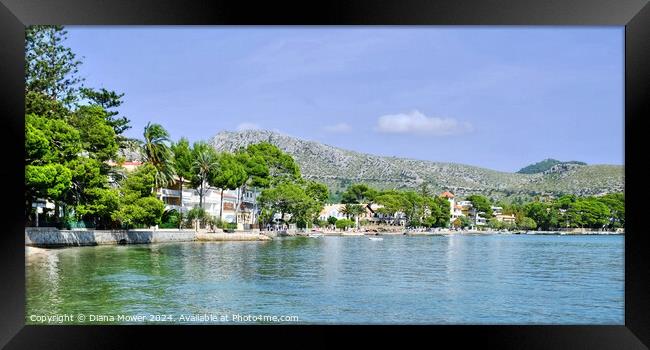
(455, 208)
(332, 210)
(212, 202)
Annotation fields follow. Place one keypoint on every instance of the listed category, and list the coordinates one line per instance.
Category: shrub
(462, 222)
(495, 224)
(526, 223)
(344, 223)
(229, 226)
(170, 219)
(301, 223)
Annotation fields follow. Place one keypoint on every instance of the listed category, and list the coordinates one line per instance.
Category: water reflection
(450, 280)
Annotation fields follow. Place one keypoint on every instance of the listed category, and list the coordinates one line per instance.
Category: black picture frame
(633, 14)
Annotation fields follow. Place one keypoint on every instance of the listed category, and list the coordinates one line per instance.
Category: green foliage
(108, 101)
(50, 181)
(70, 135)
(145, 211)
(229, 172)
(100, 205)
(352, 210)
(615, 202)
(588, 212)
(419, 208)
(344, 224)
(285, 192)
(139, 183)
(170, 219)
(545, 216)
(495, 224)
(481, 203)
(413, 208)
(462, 222)
(301, 222)
(97, 137)
(196, 213)
(281, 166)
(138, 205)
(50, 67)
(86, 175)
(440, 211)
(565, 201)
(332, 220)
(157, 152)
(526, 223)
(50, 140)
(37, 144)
(318, 191)
(392, 202)
(183, 159)
(265, 216)
(255, 168)
(42, 105)
(358, 194)
(204, 166)
(286, 198)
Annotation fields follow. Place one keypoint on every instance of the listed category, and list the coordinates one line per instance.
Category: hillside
(338, 168)
(545, 165)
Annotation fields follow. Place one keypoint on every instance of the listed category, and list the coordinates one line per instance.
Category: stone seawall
(52, 237)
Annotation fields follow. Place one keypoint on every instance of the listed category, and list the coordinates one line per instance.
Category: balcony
(169, 193)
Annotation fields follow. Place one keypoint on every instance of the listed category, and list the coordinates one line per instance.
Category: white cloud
(340, 127)
(415, 122)
(247, 126)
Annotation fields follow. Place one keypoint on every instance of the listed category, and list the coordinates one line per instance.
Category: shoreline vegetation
(76, 176)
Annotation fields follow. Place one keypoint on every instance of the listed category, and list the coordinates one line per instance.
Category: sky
(495, 97)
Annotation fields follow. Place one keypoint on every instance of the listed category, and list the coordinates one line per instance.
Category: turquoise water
(462, 279)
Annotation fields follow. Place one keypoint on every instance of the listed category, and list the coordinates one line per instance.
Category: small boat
(375, 238)
(315, 235)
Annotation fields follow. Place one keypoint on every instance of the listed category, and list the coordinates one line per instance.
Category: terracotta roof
(447, 194)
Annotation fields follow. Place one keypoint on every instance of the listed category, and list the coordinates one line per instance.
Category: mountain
(545, 165)
(338, 168)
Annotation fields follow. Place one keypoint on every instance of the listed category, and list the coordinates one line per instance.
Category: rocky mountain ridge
(338, 168)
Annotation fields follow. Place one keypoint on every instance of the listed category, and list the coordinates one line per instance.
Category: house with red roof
(455, 208)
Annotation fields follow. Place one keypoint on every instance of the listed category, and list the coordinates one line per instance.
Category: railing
(168, 192)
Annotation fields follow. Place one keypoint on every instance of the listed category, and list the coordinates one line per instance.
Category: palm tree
(204, 165)
(156, 152)
(183, 165)
(352, 210)
(346, 210)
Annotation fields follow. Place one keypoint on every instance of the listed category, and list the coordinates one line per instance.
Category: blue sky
(496, 97)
